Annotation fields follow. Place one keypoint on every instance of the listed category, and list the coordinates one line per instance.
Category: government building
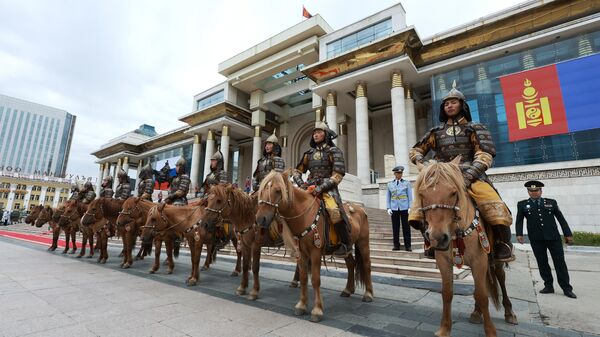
(529, 73)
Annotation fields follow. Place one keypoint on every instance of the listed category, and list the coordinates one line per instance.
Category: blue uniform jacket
(399, 195)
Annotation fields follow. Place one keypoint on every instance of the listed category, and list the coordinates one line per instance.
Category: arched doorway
(301, 142)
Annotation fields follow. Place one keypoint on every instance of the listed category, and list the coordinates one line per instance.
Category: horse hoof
(299, 312)
(137, 258)
(103, 261)
(367, 299)
(240, 291)
(511, 319)
(151, 271)
(441, 333)
(121, 255)
(64, 252)
(90, 256)
(345, 293)
(121, 264)
(126, 266)
(316, 318)
(79, 256)
(191, 282)
(475, 319)
(253, 296)
(293, 284)
(204, 268)
(170, 271)
(234, 274)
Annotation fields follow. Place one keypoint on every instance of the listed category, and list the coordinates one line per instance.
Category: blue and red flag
(551, 100)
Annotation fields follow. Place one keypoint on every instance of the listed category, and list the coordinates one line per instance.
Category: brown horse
(69, 222)
(453, 224)
(132, 217)
(100, 215)
(50, 216)
(33, 215)
(164, 220)
(227, 202)
(301, 212)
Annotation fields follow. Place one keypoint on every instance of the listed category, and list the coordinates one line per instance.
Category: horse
(102, 213)
(33, 215)
(301, 212)
(132, 217)
(164, 219)
(51, 216)
(69, 222)
(458, 236)
(226, 202)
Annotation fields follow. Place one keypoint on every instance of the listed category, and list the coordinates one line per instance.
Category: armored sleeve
(336, 156)
(183, 188)
(223, 178)
(278, 164)
(484, 152)
(301, 168)
(255, 175)
(422, 147)
(89, 196)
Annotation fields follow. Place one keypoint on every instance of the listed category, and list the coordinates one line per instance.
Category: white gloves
(389, 211)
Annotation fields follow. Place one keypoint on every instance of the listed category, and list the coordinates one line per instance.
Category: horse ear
(456, 160)
(161, 207)
(229, 188)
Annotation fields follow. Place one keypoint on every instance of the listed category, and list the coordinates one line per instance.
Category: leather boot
(503, 248)
(345, 247)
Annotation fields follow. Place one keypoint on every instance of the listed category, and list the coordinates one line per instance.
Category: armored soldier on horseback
(124, 188)
(217, 174)
(146, 184)
(106, 190)
(326, 164)
(75, 194)
(271, 160)
(87, 194)
(458, 135)
(180, 185)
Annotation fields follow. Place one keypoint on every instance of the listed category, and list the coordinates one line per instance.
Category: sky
(117, 64)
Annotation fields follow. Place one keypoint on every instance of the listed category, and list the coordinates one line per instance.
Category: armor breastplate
(451, 141)
(106, 192)
(74, 196)
(265, 166)
(123, 191)
(213, 178)
(319, 165)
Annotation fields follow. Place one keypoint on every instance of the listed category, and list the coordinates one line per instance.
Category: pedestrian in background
(399, 198)
(543, 235)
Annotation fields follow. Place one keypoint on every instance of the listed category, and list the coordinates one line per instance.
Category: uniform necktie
(397, 182)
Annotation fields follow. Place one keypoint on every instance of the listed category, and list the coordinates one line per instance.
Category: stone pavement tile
(400, 330)
(19, 328)
(203, 325)
(9, 286)
(306, 328)
(20, 314)
(428, 327)
(77, 330)
(152, 330)
(20, 300)
(348, 317)
(100, 311)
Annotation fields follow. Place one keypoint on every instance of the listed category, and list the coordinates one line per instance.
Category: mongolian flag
(305, 13)
(551, 100)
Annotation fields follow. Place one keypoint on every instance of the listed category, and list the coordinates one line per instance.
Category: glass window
(359, 38)
(210, 100)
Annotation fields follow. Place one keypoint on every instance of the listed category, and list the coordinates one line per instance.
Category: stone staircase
(383, 259)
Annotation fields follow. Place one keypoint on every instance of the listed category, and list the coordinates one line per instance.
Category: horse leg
(210, 251)
(238, 262)
(509, 315)
(90, 236)
(73, 241)
(192, 279)
(55, 236)
(125, 240)
(350, 287)
(157, 248)
(83, 243)
(316, 315)
(247, 253)
(302, 263)
(445, 268)
(365, 272)
(480, 271)
(294, 283)
(67, 239)
(169, 247)
(255, 268)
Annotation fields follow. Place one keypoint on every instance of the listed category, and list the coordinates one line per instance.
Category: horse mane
(241, 202)
(112, 206)
(282, 179)
(436, 174)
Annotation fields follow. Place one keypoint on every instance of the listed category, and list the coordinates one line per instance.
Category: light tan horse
(453, 222)
(50, 216)
(132, 217)
(301, 212)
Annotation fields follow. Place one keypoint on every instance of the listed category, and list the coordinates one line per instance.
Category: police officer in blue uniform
(399, 198)
(543, 235)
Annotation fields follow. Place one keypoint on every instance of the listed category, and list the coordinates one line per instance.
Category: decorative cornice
(592, 171)
(397, 80)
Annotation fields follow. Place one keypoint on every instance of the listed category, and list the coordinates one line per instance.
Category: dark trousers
(396, 217)
(558, 257)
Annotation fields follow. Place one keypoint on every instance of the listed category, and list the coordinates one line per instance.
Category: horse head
(155, 223)
(94, 212)
(274, 193)
(70, 213)
(442, 195)
(129, 213)
(44, 216)
(35, 212)
(218, 204)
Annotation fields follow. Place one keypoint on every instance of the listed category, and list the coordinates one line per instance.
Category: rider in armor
(459, 135)
(326, 164)
(106, 190)
(217, 174)
(146, 184)
(87, 194)
(124, 188)
(180, 185)
(271, 160)
(75, 194)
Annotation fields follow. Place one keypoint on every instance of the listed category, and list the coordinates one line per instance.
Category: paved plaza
(50, 294)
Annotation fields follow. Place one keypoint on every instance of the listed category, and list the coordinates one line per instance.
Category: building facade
(34, 138)
(379, 85)
(18, 192)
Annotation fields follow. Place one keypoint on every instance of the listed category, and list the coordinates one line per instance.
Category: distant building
(18, 192)
(34, 138)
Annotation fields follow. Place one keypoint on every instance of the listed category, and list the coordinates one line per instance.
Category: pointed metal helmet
(109, 179)
(87, 185)
(74, 186)
(181, 162)
(322, 125)
(218, 156)
(273, 138)
(121, 174)
(146, 172)
(454, 93)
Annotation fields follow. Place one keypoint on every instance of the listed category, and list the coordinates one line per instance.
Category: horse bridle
(276, 206)
(128, 213)
(459, 232)
(88, 213)
(166, 221)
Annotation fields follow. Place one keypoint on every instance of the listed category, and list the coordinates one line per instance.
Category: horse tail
(359, 273)
(493, 285)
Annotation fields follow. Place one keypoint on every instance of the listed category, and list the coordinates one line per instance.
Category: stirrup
(342, 251)
(510, 258)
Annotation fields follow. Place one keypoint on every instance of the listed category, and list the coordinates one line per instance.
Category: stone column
(100, 177)
(411, 124)
(106, 170)
(27, 197)
(125, 165)
(343, 139)
(256, 148)
(399, 121)
(225, 147)
(56, 197)
(194, 171)
(116, 179)
(331, 112)
(11, 197)
(210, 150)
(43, 195)
(363, 156)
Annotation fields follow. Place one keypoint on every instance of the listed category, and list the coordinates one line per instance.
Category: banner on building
(164, 171)
(551, 100)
